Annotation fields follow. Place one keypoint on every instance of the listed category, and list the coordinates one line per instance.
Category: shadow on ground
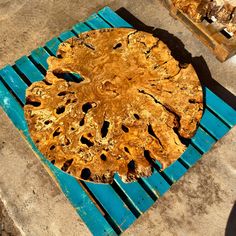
(183, 56)
(231, 224)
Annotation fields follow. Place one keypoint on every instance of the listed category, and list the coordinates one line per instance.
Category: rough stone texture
(7, 227)
(30, 195)
(135, 103)
(24, 25)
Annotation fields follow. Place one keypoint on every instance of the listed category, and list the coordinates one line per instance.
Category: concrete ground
(202, 203)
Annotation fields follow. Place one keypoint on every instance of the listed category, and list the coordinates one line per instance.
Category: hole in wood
(103, 157)
(33, 103)
(60, 110)
(104, 129)
(86, 141)
(131, 165)
(125, 129)
(136, 116)
(118, 45)
(66, 165)
(86, 107)
(85, 173)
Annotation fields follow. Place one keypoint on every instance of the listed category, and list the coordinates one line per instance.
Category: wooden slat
(96, 22)
(40, 56)
(223, 110)
(80, 28)
(12, 108)
(203, 140)
(14, 81)
(157, 184)
(136, 194)
(113, 204)
(66, 35)
(175, 171)
(112, 18)
(52, 45)
(190, 156)
(29, 69)
(213, 125)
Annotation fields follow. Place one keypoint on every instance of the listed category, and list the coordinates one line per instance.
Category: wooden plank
(66, 35)
(12, 108)
(157, 184)
(223, 110)
(190, 156)
(213, 125)
(175, 171)
(80, 28)
(203, 140)
(52, 45)
(13, 80)
(40, 56)
(27, 68)
(113, 204)
(112, 18)
(96, 22)
(136, 194)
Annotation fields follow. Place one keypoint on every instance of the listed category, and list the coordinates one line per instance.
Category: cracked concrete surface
(200, 204)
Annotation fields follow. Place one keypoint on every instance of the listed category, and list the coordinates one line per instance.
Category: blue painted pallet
(109, 209)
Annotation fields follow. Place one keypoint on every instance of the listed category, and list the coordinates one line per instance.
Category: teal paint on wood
(13, 80)
(213, 125)
(113, 204)
(80, 28)
(28, 69)
(203, 140)
(12, 108)
(52, 45)
(190, 156)
(95, 22)
(156, 183)
(136, 194)
(40, 56)
(115, 20)
(175, 171)
(223, 110)
(66, 35)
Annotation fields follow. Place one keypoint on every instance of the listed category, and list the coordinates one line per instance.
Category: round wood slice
(133, 104)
